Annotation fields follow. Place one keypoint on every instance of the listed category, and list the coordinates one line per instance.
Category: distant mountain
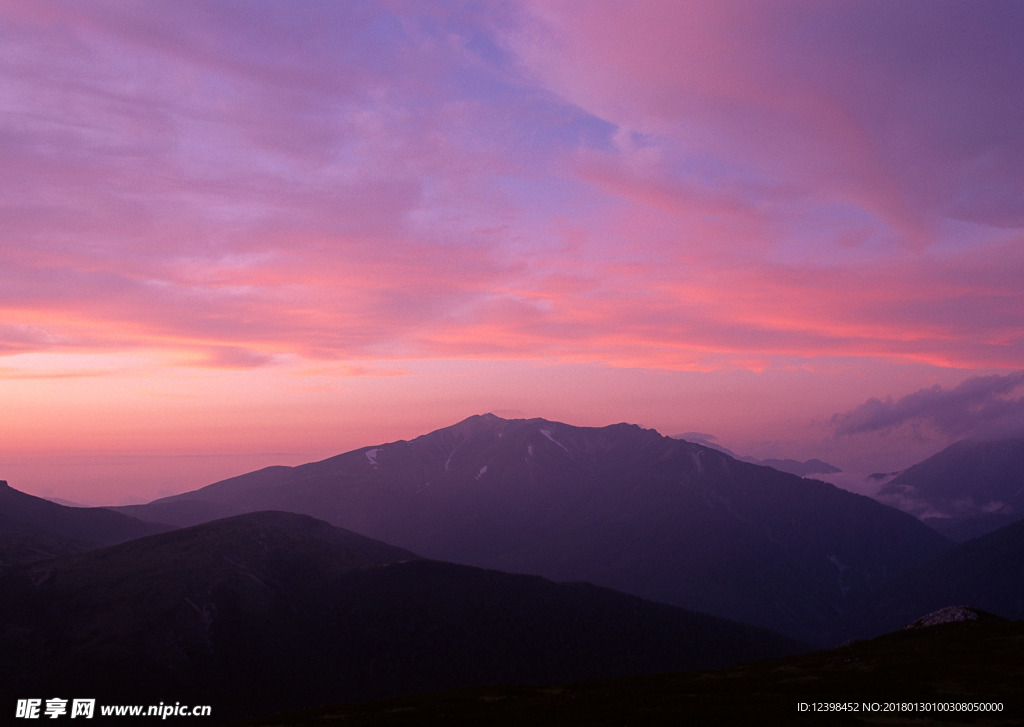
(619, 506)
(966, 490)
(792, 466)
(185, 512)
(66, 503)
(708, 440)
(985, 572)
(268, 611)
(973, 662)
(31, 527)
(802, 469)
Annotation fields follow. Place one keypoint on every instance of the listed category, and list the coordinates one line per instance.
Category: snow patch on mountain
(481, 472)
(372, 456)
(547, 433)
(841, 567)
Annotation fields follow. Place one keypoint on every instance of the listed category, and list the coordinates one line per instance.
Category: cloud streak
(679, 190)
(983, 406)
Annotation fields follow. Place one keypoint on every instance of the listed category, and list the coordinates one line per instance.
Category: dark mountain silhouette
(966, 490)
(967, 527)
(32, 528)
(970, 662)
(619, 506)
(267, 611)
(985, 572)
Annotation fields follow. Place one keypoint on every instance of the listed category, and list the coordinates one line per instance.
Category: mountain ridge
(269, 610)
(32, 527)
(806, 468)
(619, 506)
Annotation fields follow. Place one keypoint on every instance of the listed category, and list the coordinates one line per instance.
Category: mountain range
(618, 506)
(483, 553)
(269, 611)
(32, 528)
(792, 466)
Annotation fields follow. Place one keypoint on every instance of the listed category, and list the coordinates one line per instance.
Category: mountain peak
(488, 417)
(477, 420)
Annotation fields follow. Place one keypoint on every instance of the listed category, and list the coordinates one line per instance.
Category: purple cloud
(983, 406)
(681, 189)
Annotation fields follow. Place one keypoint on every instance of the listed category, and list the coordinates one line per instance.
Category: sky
(235, 234)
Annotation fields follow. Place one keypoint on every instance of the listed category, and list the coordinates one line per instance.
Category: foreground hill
(32, 528)
(975, 663)
(966, 490)
(618, 506)
(269, 611)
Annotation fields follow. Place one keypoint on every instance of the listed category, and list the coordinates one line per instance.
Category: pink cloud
(863, 103)
(699, 185)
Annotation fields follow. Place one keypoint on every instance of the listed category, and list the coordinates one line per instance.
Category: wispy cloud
(674, 188)
(982, 406)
